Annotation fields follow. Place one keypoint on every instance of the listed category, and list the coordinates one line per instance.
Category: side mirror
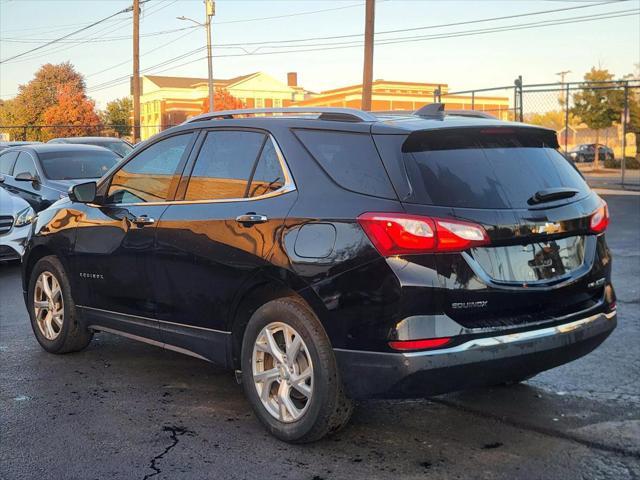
(83, 192)
(25, 177)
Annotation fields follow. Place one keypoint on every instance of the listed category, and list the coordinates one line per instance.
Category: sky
(247, 32)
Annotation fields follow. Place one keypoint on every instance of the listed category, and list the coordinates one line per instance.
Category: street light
(210, 12)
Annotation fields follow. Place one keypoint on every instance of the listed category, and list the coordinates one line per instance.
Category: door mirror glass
(83, 192)
(25, 177)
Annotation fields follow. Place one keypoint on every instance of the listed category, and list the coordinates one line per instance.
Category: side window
(224, 165)
(350, 159)
(6, 162)
(268, 176)
(149, 175)
(25, 164)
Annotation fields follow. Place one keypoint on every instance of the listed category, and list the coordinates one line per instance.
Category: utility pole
(136, 71)
(211, 11)
(367, 77)
(563, 74)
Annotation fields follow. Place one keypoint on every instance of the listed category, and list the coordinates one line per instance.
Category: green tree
(117, 115)
(598, 107)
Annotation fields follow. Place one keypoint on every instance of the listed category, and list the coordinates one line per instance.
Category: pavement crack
(174, 432)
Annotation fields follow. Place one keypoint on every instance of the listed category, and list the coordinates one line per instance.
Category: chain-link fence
(583, 114)
(43, 133)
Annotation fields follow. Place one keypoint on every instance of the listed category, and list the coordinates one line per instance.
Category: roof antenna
(431, 110)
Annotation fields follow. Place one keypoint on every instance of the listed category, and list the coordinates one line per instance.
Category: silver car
(16, 216)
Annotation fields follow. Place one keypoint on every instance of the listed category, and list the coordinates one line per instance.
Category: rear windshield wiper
(551, 194)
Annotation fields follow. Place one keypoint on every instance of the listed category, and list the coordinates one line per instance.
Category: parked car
(42, 174)
(587, 153)
(333, 257)
(117, 145)
(16, 216)
(5, 145)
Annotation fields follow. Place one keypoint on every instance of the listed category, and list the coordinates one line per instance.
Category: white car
(16, 216)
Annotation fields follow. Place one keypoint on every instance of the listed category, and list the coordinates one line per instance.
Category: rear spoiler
(441, 138)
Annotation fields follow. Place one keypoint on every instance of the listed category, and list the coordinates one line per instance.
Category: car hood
(11, 204)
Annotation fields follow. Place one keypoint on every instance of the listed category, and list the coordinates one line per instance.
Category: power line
(67, 35)
(441, 25)
(83, 40)
(103, 39)
(390, 41)
(289, 15)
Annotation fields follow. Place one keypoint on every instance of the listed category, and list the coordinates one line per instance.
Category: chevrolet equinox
(332, 255)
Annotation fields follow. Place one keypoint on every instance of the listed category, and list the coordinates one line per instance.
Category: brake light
(419, 344)
(398, 234)
(600, 218)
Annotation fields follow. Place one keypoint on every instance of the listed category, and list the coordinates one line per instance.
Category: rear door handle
(251, 218)
(143, 220)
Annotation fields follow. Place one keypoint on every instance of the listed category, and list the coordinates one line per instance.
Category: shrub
(631, 163)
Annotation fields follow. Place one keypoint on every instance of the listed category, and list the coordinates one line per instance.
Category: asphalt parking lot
(122, 409)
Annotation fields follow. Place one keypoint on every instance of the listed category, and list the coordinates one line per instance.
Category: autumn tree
(8, 118)
(598, 107)
(633, 117)
(222, 100)
(117, 116)
(35, 97)
(73, 114)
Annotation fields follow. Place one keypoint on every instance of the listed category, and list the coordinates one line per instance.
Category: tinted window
(25, 164)
(149, 175)
(268, 176)
(224, 165)
(350, 159)
(6, 162)
(490, 168)
(72, 165)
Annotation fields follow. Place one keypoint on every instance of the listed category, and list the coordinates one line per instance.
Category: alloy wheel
(48, 305)
(282, 372)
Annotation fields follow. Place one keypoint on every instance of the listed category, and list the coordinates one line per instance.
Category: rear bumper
(478, 362)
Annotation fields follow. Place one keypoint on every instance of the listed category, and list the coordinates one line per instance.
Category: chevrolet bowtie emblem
(548, 227)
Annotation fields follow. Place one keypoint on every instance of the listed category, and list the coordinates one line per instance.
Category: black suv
(333, 255)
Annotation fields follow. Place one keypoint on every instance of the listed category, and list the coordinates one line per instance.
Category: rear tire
(292, 410)
(53, 313)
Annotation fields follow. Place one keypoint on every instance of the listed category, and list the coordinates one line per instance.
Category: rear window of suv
(486, 167)
(350, 159)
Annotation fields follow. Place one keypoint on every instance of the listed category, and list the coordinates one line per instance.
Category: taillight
(402, 234)
(600, 218)
(419, 344)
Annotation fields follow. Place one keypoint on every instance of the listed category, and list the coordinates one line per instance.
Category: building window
(277, 102)
(259, 102)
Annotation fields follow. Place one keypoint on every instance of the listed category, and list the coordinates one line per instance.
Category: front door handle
(251, 218)
(143, 220)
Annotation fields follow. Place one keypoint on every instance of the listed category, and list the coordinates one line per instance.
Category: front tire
(290, 375)
(53, 314)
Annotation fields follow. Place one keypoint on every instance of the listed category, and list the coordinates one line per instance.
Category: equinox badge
(461, 305)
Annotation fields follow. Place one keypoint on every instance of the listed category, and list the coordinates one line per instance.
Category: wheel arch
(262, 290)
(30, 260)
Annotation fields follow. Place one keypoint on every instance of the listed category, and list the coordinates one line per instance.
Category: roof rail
(325, 113)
